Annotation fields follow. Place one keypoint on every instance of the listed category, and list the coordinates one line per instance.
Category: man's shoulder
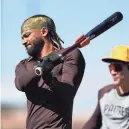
(106, 89)
(23, 61)
(75, 53)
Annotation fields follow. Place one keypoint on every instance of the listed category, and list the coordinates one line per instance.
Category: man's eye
(26, 35)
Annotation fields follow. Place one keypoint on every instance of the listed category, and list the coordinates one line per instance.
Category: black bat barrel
(105, 25)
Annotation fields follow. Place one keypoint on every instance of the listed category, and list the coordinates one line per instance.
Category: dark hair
(128, 66)
(126, 63)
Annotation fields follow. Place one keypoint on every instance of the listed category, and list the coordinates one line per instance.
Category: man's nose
(114, 73)
(24, 41)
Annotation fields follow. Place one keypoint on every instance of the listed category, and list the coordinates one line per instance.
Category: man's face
(119, 72)
(33, 42)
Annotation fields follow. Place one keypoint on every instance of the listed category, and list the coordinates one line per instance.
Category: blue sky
(72, 18)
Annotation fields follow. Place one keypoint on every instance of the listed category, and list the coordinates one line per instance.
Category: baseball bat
(96, 31)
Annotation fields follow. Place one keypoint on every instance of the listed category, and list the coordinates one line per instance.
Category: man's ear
(44, 31)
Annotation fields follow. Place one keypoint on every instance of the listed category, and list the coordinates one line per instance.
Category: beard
(34, 49)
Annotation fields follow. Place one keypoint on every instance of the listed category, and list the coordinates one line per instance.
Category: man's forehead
(27, 31)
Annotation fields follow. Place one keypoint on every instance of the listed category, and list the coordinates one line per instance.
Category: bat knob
(84, 42)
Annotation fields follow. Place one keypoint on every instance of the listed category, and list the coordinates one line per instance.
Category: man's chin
(118, 83)
(34, 51)
(30, 53)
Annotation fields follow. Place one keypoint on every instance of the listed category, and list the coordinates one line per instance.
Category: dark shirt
(50, 107)
(112, 111)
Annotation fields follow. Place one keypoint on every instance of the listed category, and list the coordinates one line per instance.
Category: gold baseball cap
(119, 53)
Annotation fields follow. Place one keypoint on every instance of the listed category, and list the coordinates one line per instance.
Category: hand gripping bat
(96, 31)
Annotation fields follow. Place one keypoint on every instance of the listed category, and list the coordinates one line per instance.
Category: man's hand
(50, 61)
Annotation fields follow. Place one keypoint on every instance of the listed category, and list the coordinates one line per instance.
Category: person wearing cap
(112, 111)
(49, 96)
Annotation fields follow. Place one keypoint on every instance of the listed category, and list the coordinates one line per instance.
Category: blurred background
(72, 18)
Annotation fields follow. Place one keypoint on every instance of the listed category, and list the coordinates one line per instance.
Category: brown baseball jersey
(51, 107)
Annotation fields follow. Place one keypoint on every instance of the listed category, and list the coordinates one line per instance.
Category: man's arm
(24, 75)
(95, 122)
(72, 73)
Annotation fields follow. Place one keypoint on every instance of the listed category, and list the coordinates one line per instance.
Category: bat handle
(70, 49)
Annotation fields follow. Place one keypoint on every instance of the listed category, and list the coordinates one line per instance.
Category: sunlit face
(119, 72)
(33, 42)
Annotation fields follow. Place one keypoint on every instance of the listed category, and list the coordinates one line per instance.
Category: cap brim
(110, 60)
